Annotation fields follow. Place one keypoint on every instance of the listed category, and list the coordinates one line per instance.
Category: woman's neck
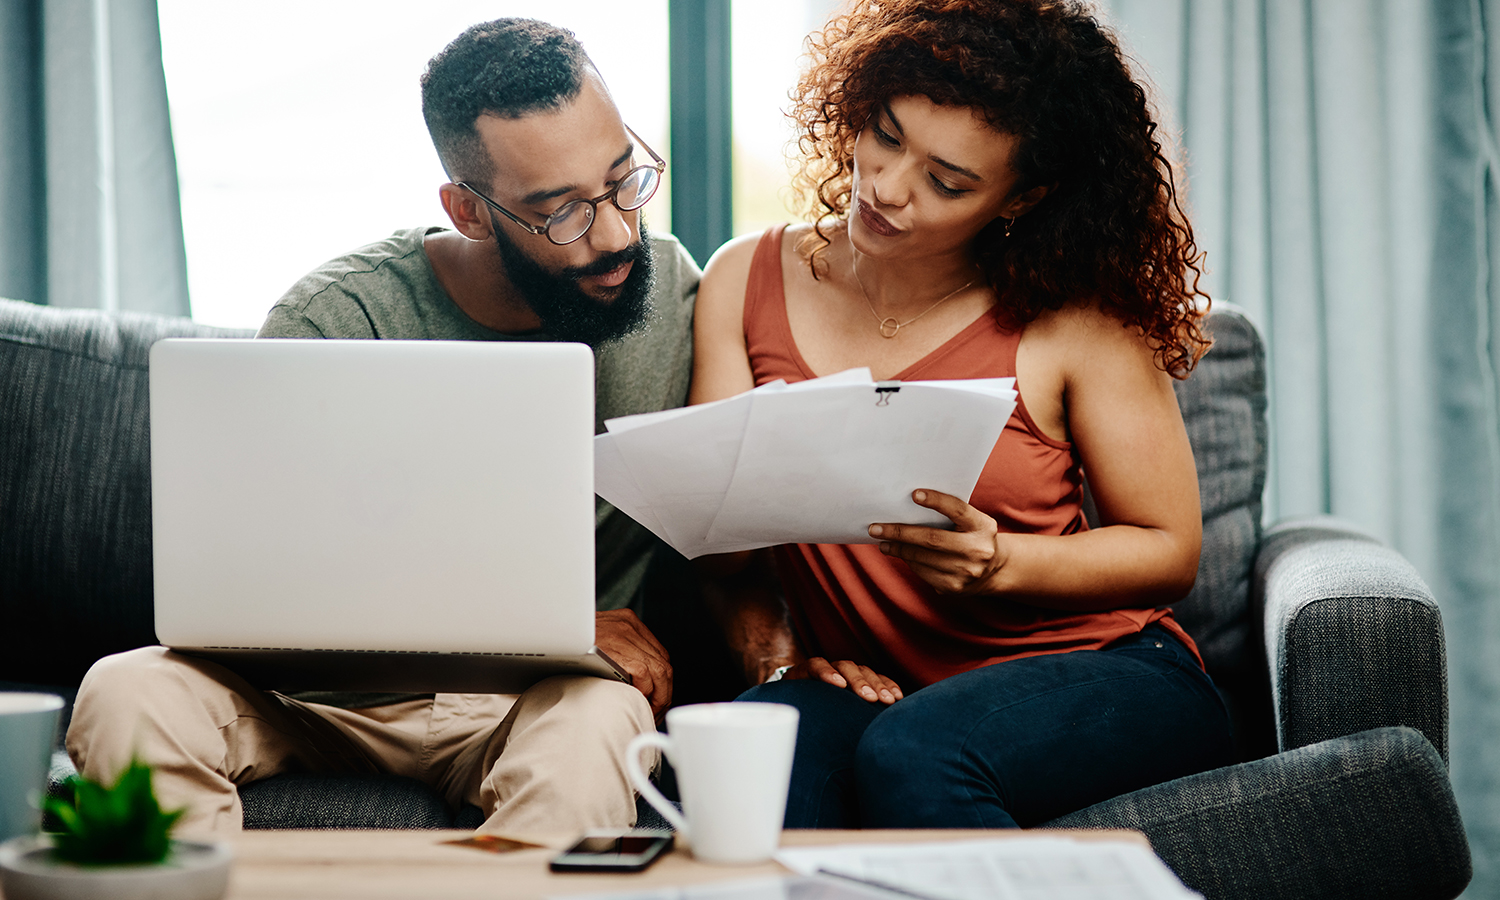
(898, 287)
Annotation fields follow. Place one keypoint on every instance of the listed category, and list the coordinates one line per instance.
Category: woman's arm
(738, 585)
(1121, 413)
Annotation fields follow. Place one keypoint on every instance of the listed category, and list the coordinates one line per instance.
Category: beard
(567, 312)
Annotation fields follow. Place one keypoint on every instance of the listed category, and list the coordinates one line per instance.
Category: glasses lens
(637, 187)
(569, 223)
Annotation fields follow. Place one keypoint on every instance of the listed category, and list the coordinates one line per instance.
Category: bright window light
(299, 133)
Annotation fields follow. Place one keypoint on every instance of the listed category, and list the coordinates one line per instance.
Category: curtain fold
(89, 207)
(1344, 179)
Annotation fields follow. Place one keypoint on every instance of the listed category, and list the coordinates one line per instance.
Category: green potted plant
(115, 842)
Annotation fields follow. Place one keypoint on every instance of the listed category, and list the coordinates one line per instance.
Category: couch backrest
(75, 485)
(1224, 406)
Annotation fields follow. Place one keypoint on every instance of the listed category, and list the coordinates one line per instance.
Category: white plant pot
(191, 871)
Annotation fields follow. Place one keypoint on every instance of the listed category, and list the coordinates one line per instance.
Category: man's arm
(625, 639)
(740, 590)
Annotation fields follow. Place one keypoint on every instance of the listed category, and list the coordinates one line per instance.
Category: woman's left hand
(961, 561)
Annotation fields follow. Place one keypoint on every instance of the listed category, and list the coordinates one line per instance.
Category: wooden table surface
(372, 865)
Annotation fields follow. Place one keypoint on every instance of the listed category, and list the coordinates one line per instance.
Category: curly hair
(507, 68)
(1111, 226)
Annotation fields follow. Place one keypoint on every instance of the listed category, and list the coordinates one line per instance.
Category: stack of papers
(1025, 868)
(1010, 868)
(814, 462)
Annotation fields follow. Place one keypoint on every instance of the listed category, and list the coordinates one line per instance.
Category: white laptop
(376, 515)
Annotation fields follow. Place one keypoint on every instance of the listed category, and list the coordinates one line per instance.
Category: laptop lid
(390, 496)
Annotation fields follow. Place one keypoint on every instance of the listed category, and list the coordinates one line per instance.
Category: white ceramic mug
(28, 728)
(733, 763)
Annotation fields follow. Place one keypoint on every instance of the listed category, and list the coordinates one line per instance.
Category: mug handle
(643, 783)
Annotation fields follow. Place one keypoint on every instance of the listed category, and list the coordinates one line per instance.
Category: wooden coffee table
(372, 865)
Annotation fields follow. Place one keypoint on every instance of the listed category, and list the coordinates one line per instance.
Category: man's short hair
(507, 68)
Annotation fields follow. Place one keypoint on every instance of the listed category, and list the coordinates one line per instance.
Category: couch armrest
(1354, 638)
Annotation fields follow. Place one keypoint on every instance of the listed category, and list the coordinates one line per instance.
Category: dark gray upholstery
(1368, 815)
(1354, 637)
(1224, 408)
(75, 486)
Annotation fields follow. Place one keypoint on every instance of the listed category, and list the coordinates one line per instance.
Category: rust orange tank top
(850, 601)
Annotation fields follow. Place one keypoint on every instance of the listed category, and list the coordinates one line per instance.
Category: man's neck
(471, 274)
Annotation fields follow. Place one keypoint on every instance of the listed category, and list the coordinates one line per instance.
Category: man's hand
(866, 683)
(625, 639)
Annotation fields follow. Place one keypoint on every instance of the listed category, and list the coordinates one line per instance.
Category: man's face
(596, 288)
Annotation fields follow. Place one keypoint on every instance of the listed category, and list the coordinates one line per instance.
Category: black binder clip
(884, 390)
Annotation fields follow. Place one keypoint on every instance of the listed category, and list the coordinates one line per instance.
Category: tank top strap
(764, 287)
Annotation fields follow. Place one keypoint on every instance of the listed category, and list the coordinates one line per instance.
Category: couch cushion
(75, 485)
(1224, 407)
(1368, 815)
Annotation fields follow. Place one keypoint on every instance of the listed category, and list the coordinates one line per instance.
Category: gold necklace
(889, 327)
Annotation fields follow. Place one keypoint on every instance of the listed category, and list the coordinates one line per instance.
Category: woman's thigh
(1025, 741)
(829, 725)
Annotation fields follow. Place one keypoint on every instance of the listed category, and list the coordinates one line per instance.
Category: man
(547, 182)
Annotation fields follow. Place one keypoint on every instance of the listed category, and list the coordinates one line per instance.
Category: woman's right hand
(866, 683)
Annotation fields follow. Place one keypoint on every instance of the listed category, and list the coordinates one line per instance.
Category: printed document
(814, 462)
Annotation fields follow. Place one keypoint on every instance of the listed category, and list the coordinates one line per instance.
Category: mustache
(606, 263)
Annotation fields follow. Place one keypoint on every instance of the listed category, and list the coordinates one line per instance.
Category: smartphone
(598, 851)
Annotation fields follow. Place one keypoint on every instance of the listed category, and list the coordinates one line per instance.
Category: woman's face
(927, 178)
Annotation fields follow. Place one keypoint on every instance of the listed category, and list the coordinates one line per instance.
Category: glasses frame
(545, 229)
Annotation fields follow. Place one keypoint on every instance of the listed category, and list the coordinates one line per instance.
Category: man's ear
(466, 211)
(1028, 200)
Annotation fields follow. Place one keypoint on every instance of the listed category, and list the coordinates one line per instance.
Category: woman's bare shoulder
(1084, 330)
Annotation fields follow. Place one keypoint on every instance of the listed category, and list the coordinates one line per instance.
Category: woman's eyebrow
(955, 168)
(894, 121)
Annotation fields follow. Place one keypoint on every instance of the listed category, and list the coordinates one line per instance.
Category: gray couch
(1327, 645)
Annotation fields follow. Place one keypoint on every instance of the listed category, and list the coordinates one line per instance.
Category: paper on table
(815, 461)
(784, 888)
(1024, 868)
(821, 466)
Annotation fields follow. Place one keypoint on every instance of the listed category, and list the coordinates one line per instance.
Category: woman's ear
(463, 209)
(1028, 200)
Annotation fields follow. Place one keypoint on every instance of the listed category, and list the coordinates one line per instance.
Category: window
(299, 132)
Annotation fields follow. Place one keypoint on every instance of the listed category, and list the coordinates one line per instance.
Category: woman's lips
(875, 221)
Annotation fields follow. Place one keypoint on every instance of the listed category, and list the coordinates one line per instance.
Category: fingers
(626, 640)
(966, 520)
(865, 682)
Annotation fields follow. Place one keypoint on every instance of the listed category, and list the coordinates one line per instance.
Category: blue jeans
(1014, 744)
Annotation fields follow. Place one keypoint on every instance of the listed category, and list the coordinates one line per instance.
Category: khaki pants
(551, 759)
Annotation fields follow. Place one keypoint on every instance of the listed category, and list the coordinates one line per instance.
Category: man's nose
(612, 229)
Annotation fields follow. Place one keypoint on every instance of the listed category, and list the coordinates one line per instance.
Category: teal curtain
(89, 208)
(1342, 177)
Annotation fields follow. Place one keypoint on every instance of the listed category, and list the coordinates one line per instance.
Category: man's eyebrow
(537, 197)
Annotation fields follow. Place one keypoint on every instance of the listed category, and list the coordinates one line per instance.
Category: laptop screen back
(373, 495)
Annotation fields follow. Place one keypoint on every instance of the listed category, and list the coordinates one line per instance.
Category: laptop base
(401, 671)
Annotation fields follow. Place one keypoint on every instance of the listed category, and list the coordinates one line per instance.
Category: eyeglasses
(574, 219)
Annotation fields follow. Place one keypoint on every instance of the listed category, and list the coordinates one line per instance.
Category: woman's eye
(944, 189)
(883, 136)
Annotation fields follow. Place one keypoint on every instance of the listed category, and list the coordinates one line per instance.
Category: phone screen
(612, 853)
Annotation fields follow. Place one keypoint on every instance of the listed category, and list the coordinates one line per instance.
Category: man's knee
(597, 702)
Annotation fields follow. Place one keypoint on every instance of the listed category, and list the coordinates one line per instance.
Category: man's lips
(614, 277)
(875, 221)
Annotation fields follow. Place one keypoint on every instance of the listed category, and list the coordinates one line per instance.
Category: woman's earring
(1008, 224)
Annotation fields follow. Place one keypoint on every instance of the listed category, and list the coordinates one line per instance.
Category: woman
(988, 200)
